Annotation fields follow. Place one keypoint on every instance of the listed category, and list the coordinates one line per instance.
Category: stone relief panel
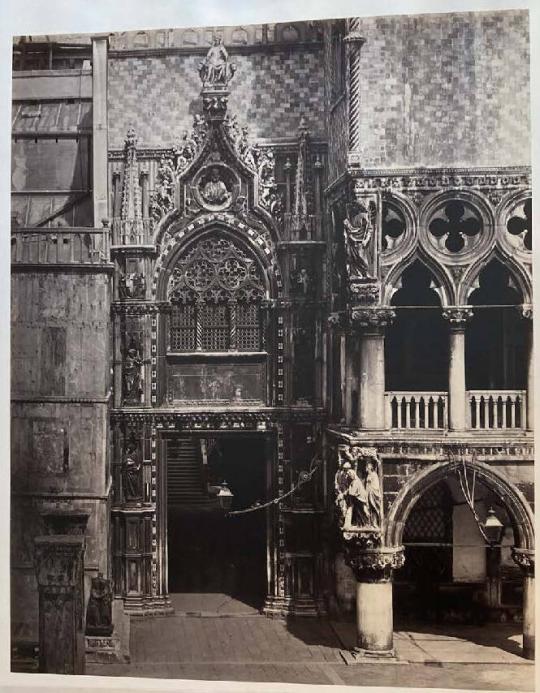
(358, 488)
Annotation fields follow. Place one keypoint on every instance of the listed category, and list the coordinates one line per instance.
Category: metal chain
(313, 467)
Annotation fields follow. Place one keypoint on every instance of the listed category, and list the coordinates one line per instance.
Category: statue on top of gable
(216, 70)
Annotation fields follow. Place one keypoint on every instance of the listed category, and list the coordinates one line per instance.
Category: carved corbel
(524, 558)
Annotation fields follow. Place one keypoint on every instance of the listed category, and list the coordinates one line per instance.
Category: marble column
(525, 560)
(99, 128)
(370, 324)
(458, 418)
(59, 565)
(373, 569)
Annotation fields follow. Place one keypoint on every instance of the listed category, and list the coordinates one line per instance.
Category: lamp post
(493, 529)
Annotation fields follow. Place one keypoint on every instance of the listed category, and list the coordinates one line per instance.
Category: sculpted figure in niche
(99, 609)
(132, 376)
(214, 191)
(215, 69)
(132, 285)
(132, 474)
(359, 231)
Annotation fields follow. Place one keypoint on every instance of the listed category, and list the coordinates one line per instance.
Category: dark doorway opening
(210, 551)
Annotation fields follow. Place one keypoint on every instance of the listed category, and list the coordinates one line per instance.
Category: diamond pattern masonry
(158, 96)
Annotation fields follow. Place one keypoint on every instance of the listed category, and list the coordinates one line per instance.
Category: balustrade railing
(59, 245)
(417, 410)
(132, 231)
(492, 409)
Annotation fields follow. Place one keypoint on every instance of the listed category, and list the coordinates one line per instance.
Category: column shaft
(371, 395)
(528, 616)
(530, 379)
(374, 616)
(457, 395)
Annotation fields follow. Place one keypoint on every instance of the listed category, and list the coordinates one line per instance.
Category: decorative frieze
(410, 181)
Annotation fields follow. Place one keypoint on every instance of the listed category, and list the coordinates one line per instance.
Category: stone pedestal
(59, 565)
(373, 569)
(525, 559)
(457, 394)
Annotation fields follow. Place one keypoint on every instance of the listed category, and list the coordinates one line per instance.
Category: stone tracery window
(216, 290)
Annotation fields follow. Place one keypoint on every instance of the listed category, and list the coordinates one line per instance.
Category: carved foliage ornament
(373, 565)
(372, 317)
(174, 164)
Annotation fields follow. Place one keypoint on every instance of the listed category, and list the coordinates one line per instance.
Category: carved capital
(371, 317)
(363, 293)
(373, 564)
(58, 561)
(458, 316)
(527, 311)
(355, 38)
(524, 558)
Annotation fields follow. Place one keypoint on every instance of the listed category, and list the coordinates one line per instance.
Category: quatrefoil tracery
(521, 224)
(393, 227)
(458, 223)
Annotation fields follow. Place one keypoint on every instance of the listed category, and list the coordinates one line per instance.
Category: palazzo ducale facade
(273, 322)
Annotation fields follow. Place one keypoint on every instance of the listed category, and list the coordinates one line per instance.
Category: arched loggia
(416, 346)
(499, 491)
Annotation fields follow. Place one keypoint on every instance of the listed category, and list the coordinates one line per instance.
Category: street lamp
(493, 527)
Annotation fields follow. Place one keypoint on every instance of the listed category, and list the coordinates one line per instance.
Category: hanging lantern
(225, 497)
(493, 527)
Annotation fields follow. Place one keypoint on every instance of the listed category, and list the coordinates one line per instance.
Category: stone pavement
(220, 639)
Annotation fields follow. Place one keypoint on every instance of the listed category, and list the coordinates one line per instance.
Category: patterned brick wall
(450, 90)
(270, 91)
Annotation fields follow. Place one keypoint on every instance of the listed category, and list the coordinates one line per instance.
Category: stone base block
(104, 650)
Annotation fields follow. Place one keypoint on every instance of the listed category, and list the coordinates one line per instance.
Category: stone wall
(158, 95)
(59, 441)
(445, 90)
